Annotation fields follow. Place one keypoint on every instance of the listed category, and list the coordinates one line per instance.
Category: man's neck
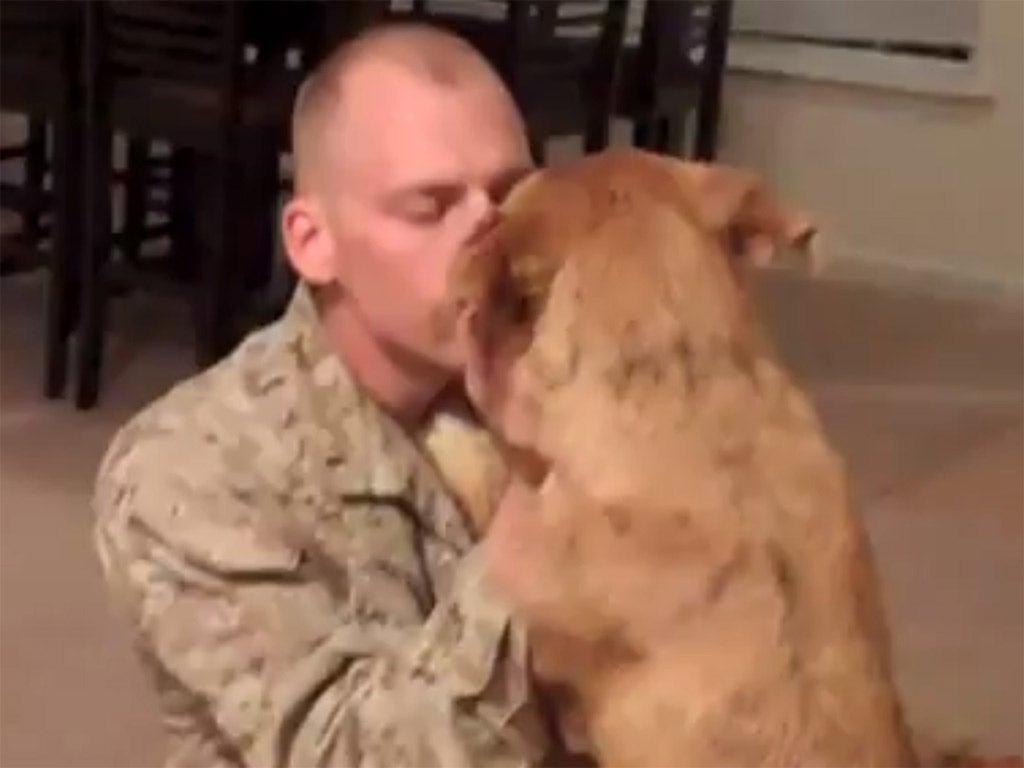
(403, 386)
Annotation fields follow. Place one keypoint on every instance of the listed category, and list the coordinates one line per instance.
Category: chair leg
(62, 298)
(707, 125)
(651, 133)
(217, 229)
(595, 135)
(642, 131)
(672, 136)
(183, 239)
(97, 231)
(256, 246)
(710, 100)
(538, 148)
(135, 191)
(603, 88)
(35, 178)
(661, 132)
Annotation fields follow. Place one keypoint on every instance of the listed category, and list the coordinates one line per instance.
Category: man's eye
(431, 204)
(425, 209)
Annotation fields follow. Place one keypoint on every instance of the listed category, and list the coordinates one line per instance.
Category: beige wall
(899, 180)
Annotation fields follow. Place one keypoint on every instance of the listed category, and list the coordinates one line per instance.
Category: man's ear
(739, 206)
(308, 241)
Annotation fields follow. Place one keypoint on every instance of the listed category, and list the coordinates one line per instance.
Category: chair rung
(169, 16)
(124, 275)
(19, 255)
(13, 152)
(20, 198)
(157, 169)
(151, 232)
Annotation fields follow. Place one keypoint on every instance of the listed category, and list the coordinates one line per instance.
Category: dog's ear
(467, 314)
(490, 340)
(469, 283)
(477, 270)
(739, 206)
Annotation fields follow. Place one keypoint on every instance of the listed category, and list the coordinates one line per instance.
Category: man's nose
(482, 213)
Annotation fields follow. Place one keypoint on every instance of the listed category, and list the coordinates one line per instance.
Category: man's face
(421, 169)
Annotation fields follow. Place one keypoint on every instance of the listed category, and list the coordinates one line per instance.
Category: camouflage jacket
(303, 590)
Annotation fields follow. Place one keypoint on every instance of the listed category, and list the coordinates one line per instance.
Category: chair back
(186, 41)
(33, 29)
(679, 42)
(39, 54)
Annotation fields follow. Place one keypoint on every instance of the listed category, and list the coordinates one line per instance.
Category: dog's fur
(715, 601)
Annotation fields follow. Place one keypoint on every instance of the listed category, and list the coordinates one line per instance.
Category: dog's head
(611, 257)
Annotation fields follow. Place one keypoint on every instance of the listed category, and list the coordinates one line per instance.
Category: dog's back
(773, 650)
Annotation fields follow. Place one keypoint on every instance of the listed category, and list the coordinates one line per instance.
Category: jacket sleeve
(260, 662)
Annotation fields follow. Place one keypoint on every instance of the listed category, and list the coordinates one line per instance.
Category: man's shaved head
(427, 53)
(405, 142)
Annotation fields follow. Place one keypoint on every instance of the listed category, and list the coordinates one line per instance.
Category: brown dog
(715, 601)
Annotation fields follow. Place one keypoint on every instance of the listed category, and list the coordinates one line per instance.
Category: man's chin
(437, 368)
(411, 356)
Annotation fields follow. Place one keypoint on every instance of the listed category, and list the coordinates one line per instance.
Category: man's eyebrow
(453, 186)
(439, 186)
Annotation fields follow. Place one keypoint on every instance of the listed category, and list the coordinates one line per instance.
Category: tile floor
(923, 396)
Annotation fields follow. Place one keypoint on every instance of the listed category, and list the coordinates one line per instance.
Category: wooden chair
(29, 200)
(676, 73)
(39, 61)
(560, 59)
(160, 69)
(339, 21)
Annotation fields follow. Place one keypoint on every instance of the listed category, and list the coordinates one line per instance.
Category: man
(304, 590)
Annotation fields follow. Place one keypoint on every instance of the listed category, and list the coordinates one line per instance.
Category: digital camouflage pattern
(303, 589)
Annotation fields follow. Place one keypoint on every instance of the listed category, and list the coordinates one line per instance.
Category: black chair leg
(642, 131)
(35, 179)
(135, 191)
(538, 148)
(97, 231)
(710, 100)
(217, 228)
(672, 139)
(63, 288)
(183, 225)
(595, 135)
(650, 133)
(256, 236)
(660, 134)
(604, 84)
